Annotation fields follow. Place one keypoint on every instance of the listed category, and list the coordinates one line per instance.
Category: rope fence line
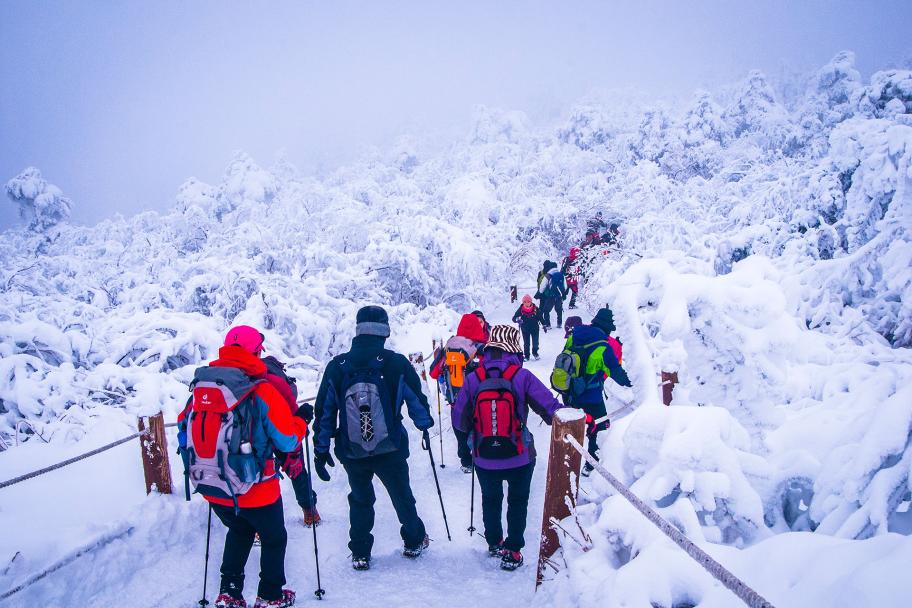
(69, 461)
(741, 589)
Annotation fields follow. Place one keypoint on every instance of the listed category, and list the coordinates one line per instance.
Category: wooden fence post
(669, 379)
(154, 448)
(513, 295)
(562, 480)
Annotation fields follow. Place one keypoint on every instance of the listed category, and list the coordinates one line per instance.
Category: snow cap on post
(246, 337)
(372, 321)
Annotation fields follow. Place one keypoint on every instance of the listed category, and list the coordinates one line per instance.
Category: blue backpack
(555, 279)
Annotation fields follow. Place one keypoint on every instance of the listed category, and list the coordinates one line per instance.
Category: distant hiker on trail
(594, 228)
(359, 405)
(493, 407)
(572, 272)
(588, 359)
(293, 463)
(458, 358)
(237, 413)
(552, 291)
(528, 316)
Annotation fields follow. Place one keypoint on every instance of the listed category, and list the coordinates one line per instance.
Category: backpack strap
(511, 371)
(481, 373)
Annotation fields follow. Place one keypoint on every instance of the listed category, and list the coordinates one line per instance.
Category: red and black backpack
(498, 428)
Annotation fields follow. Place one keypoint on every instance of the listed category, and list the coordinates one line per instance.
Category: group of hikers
(242, 425)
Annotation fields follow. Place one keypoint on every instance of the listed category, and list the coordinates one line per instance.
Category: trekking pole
(204, 602)
(471, 527)
(426, 444)
(440, 426)
(320, 592)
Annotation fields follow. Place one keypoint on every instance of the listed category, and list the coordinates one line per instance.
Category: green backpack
(569, 374)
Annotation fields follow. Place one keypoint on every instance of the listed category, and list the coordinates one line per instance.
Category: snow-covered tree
(40, 203)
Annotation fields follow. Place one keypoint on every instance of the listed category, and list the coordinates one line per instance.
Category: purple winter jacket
(530, 393)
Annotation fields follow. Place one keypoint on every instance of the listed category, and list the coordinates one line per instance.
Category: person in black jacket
(359, 405)
(528, 317)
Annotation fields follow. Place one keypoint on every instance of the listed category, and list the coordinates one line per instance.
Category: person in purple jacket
(493, 408)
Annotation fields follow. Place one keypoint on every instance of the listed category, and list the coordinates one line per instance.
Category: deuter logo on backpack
(219, 459)
(498, 428)
(366, 418)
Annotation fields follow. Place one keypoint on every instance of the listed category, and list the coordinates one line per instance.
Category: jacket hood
(471, 327)
(585, 334)
(236, 356)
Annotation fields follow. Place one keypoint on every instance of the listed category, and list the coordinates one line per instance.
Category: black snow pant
(519, 482)
(596, 410)
(392, 470)
(269, 522)
(552, 303)
(462, 448)
(529, 334)
(303, 490)
(572, 299)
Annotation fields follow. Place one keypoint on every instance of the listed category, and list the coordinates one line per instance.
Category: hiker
(528, 317)
(493, 407)
(244, 491)
(570, 323)
(598, 360)
(359, 402)
(594, 228)
(293, 463)
(486, 327)
(457, 358)
(552, 291)
(572, 272)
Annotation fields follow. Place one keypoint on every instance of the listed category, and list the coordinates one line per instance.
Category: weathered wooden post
(513, 295)
(562, 480)
(669, 379)
(154, 448)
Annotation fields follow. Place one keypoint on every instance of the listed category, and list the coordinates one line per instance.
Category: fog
(117, 104)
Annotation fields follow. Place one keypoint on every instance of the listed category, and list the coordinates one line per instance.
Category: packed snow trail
(160, 563)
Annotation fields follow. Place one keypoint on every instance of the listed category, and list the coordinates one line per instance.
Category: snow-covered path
(160, 562)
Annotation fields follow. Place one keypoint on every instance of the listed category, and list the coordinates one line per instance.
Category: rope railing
(741, 589)
(74, 459)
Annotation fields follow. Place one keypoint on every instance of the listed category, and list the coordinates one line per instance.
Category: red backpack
(497, 426)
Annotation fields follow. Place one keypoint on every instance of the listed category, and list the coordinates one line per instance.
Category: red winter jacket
(469, 327)
(279, 424)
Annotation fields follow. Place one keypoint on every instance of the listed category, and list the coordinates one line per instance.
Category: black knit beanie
(604, 320)
(372, 321)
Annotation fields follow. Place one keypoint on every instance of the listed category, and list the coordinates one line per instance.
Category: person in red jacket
(460, 356)
(259, 510)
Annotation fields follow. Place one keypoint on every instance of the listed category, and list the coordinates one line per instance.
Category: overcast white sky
(118, 103)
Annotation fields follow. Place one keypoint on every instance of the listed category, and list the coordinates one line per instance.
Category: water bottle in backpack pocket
(366, 419)
(497, 428)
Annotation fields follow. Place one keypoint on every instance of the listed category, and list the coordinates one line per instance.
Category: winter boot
(511, 560)
(536, 357)
(496, 550)
(226, 601)
(312, 517)
(466, 469)
(361, 563)
(287, 600)
(413, 552)
(587, 470)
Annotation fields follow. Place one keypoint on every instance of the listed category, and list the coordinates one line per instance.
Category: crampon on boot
(413, 552)
(511, 560)
(287, 600)
(465, 469)
(496, 550)
(361, 563)
(227, 601)
(312, 517)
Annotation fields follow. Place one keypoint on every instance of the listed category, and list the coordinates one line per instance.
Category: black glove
(425, 440)
(321, 459)
(305, 412)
